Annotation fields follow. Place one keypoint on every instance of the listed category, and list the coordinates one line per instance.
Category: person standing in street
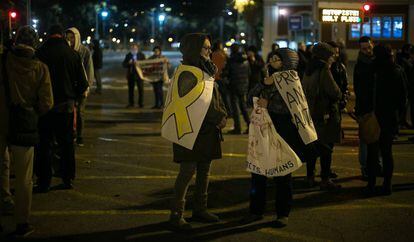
(196, 50)
(97, 59)
(257, 67)
(323, 95)
(27, 87)
(237, 70)
(69, 84)
(74, 39)
(157, 85)
(390, 81)
(133, 77)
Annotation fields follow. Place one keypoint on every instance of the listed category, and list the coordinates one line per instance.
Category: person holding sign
(193, 117)
(273, 94)
(157, 85)
(323, 95)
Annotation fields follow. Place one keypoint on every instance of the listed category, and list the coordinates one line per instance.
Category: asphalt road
(125, 180)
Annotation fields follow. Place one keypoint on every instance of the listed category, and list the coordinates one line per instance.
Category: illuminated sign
(340, 16)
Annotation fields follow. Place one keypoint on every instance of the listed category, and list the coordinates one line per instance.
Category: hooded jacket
(85, 55)
(29, 83)
(208, 143)
(66, 71)
(237, 71)
(364, 75)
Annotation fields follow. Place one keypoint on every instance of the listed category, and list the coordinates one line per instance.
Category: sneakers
(281, 222)
(205, 217)
(22, 231)
(177, 222)
(251, 218)
(79, 142)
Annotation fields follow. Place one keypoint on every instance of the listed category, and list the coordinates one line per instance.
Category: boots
(200, 212)
(177, 220)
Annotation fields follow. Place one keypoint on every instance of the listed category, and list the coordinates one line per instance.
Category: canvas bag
(268, 154)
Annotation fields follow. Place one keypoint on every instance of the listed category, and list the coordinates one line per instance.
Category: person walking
(323, 95)
(28, 91)
(69, 83)
(196, 49)
(283, 59)
(133, 77)
(74, 39)
(237, 70)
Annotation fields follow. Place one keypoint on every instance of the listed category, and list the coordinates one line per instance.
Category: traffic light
(13, 14)
(366, 12)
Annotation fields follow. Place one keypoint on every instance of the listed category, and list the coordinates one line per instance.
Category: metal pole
(10, 27)
(29, 12)
(97, 24)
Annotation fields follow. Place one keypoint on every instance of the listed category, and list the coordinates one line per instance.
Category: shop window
(376, 27)
(386, 27)
(380, 27)
(355, 31)
(397, 30)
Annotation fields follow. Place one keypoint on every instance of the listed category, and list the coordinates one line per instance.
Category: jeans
(238, 101)
(158, 93)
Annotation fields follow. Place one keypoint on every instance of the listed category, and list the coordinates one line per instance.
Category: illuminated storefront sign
(340, 16)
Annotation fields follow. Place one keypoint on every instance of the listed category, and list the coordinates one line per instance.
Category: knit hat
(323, 51)
(190, 47)
(289, 57)
(27, 35)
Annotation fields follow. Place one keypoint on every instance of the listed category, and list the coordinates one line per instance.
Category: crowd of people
(44, 90)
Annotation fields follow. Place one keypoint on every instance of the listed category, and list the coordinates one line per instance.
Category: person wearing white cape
(283, 59)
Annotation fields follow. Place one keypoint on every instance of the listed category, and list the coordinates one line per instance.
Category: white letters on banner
(183, 115)
(289, 86)
(153, 70)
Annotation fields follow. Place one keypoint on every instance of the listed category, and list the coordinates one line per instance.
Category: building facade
(290, 21)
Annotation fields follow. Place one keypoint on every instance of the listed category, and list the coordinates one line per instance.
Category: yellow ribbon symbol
(177, 107)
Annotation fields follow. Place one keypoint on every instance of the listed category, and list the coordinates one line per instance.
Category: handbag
(369, 129)
(23, 121)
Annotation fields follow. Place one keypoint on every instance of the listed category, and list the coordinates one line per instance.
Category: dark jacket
(208, 143)
(303, 62)
(131, 71)
(237, 71)
(340, 76)
(66, 71)
(323, 96)
(364, 85)
(97, 57)
(390, 97)
(257, 71)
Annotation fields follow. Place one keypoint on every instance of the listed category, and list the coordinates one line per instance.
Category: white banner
(153, 70)
(268, 154)
(183, 116)
(289, 86)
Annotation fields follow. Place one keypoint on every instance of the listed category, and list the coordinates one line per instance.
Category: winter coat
(131, 71)
(85, 55)
(219, 58)
(303, 62)
(323, 96)
(66, 71)
(390, 97)
(207, 146)
(340, 76)
(257, 71)
(237, 71)
(29, 84)
(364, 85)
(97, 58)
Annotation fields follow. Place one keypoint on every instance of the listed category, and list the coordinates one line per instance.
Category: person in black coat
(257, 66)
(303, 60)
(389, 98)
(97, 58)
(69, 83)
(132, 75)
(237, 71)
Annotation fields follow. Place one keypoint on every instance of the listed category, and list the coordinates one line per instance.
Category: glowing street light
(152, 40)
(161, 18)
(104, 14)
(170, 39)
(131, 40)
